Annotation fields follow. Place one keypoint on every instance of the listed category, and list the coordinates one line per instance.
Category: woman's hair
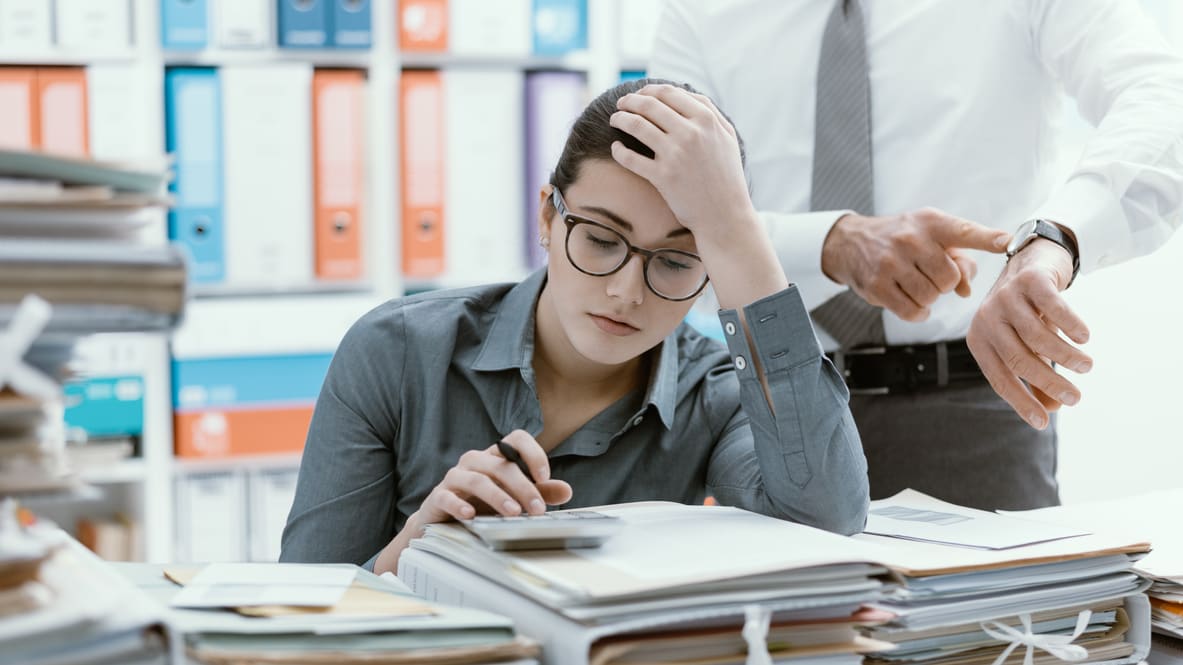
(592, 137)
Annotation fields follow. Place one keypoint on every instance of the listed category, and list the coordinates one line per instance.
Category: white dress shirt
(965, 107)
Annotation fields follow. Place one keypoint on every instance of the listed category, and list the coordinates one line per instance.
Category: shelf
(69, 58)
(351, 59)
(184, 466)
(211, 291)
(124, 471)
(579, 61)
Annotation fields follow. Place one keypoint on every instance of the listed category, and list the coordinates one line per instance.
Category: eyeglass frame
(571, 220)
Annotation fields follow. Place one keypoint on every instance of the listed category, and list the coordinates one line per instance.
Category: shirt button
(740, 363)
(730, 328)
(637, 420)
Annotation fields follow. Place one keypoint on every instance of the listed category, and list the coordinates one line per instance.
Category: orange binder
(338, 149)
(423, 26)
(20, 117)
(421, 131)
(61, 93)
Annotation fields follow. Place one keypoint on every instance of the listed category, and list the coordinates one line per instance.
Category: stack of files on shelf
(376, 620)
(31, 28)
(192, 25)
(1154, 517)
(971, 582)
(685, 577)
(74, 609)
(72, 263)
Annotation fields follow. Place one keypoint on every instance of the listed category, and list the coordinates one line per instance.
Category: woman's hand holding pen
(484, 481)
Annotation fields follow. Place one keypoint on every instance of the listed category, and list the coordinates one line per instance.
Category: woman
(585, 367)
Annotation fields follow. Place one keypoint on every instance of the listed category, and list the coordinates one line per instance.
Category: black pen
(510, 453)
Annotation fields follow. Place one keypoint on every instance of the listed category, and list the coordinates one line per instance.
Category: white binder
(271, 494)
(120, 107)
(243, 23)
(484, 166)
(210, 522)
(267, 120)
(489, 28)
(26, 26)
(94, 25)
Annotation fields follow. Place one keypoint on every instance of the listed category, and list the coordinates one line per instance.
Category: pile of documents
(77, 257)
(677, 584)
(59, 603)
(976, 588)
(1149, 517)
(330, 614)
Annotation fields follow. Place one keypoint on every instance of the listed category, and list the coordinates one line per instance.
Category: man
(899, 151)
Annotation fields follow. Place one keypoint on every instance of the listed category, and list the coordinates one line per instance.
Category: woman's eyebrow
(622, 223)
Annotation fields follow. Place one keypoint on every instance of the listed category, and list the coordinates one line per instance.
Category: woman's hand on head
(697, 166)
(483, 481)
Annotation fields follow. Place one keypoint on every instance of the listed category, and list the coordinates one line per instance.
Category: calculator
(568, 529)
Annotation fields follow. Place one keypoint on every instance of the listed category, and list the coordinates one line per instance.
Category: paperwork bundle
(70, 607)
(977, 588)
(701, 584)
(372, 620)
(77, 257)
(1149, 517)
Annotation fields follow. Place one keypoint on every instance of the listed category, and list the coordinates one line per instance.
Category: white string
(755, 632)
(1059, 646)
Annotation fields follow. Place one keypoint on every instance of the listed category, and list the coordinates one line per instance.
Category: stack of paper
(71, 608)
(1149, 517)
(677, 584)
(72, 263)
(288, 613)
(976, 587)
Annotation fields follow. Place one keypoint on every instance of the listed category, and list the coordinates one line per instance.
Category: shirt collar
(510, 345)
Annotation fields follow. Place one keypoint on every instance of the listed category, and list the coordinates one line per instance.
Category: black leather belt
(883, 370)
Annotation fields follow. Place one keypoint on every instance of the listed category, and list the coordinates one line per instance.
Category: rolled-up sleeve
(344, 509)
(801, 459)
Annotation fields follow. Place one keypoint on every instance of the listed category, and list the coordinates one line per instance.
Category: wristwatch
(1042, 228)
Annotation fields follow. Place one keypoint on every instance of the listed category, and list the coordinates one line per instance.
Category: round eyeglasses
(599, 250)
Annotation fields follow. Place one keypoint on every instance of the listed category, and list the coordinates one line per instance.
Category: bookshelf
(150, 487)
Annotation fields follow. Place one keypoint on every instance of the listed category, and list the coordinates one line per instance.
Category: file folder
(338, 150)
(94, 25)
(271, 494)
(193, 134)
(303, 23)
(26, 26)
(121, 102)
(351, 24)
(267, 120)
(490, 27)
(20, 115)
(61, 93)
(553, 101)
(484, 166)
(421, 130)
(184, 24)
(243, 23)
(210, 517)
(559, 26)
(423, 26)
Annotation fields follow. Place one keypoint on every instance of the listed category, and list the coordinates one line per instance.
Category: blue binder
(559, 26)
(351, 24)
(193, 135)
(304, 23)
(106, 406)
(184, 24)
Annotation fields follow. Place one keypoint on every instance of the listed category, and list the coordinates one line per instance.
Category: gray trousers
(961, 444)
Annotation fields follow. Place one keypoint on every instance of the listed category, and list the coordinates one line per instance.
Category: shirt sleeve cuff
(369, 565)
(797, 240)
(780, 328)
(1089, 207)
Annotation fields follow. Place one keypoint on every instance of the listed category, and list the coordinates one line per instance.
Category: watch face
(1020, 237)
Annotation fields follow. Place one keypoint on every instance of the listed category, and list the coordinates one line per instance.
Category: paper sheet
(253, 584)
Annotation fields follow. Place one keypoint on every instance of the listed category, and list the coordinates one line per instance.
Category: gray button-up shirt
(420, 380)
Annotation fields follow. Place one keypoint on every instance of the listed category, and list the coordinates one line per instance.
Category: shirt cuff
(369, 565)
(1088, 206)
(780, 328)
(797, 240)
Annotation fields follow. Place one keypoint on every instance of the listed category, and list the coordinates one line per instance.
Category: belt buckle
(840, 363)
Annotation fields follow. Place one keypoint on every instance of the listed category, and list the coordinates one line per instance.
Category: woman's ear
(546, 214)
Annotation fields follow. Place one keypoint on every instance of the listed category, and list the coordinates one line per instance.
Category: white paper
(253, 584)
(914, 516)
